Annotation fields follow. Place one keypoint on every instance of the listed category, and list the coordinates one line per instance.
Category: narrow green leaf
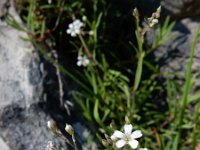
(193, 98)
(106, 113)
(138, 71)
(43, 28)
(96, 112)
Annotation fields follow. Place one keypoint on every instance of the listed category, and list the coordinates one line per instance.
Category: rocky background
(23, 114)
(23, 77)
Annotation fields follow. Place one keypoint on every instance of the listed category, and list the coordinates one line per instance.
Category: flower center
(127, 138)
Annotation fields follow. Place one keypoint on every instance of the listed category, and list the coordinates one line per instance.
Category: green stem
(196, 126)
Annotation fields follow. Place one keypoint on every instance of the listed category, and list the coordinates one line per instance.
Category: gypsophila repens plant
(120, 91)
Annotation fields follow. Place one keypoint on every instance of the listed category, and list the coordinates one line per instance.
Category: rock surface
(22, 107)
(175, 8)
(182, 8)
(173, 55)
(3, 145)
(3, 7)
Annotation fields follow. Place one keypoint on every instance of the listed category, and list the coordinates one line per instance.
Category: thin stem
(196, 126)
(74, 141)
(59, 15)
(87, 50)
(61, 91)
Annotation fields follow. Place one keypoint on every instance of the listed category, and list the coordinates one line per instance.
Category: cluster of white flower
(128, 137)
(74, 28)
(83, 61)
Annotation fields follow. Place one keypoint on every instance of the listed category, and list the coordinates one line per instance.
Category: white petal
(128, 129)
(118, 134)
(136, 134)
(68, 31)
(86, 62)
(80, 24)
(77, 31)
(70, 25)
(79, 63)
(79, 57)
(76, 21)
(155, 20)
(113, 138)
(73, 34)
(120, 143)
(133, 144)
(143, 149)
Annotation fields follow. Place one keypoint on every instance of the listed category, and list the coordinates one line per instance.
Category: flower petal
(136, 134)
(113, 138)
(70, 25)
(120, 143)
(68, 31)
(79, 57)
(143, 149)
(73, 34)
(85, 61)
(128, 129)
(79, 63)
(133, 144)
(118, 134)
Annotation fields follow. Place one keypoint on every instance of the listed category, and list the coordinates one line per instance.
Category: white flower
(74, 28)
(128, 137)
(143, 149)
(82, 61)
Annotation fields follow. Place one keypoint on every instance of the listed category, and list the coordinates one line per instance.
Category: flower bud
(158, 11)
(84, 18)
(135, 13)
(153, 22)
(69, 129)
(91, 32)
(51, 125)
(127, 121)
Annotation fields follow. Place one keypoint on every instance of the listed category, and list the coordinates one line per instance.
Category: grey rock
(3, 7)
(177, 9)
(25, 129)
(173, 55)
(23, 113)
(182, 8)
(83, 137)
(3, 145)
